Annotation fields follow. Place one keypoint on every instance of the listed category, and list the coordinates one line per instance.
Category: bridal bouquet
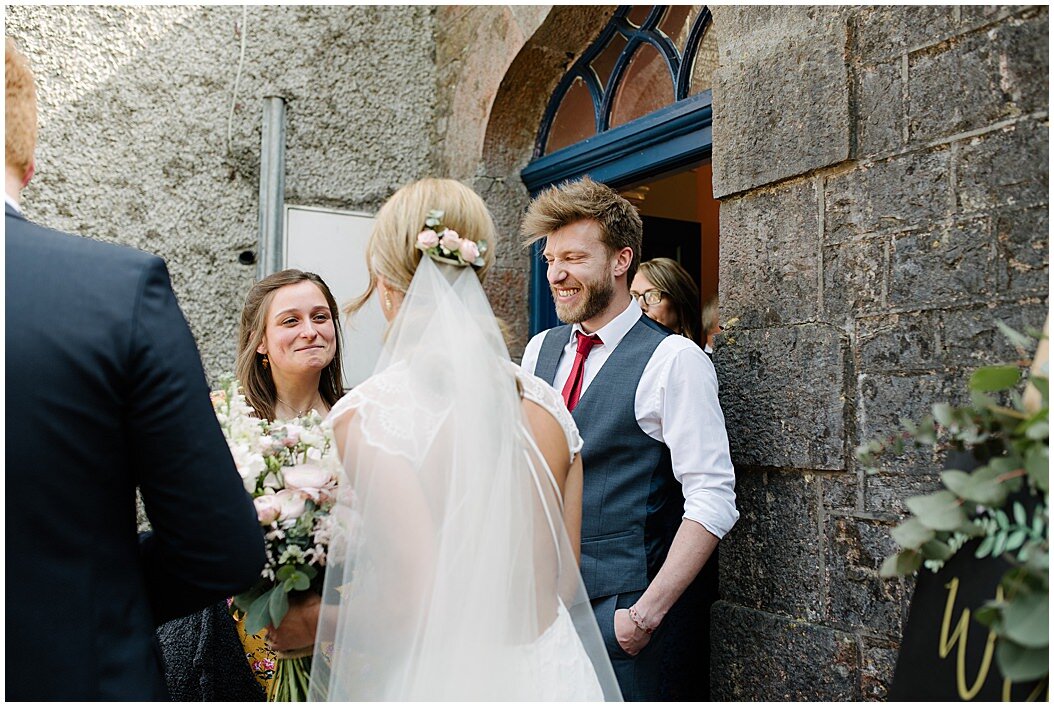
(291, 471)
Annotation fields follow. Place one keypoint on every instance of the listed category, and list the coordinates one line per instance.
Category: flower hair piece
(444, 245)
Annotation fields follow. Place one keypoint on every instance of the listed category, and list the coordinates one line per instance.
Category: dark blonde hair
(392, 251)
(20, 110)
(256, 381)
(682, 292)
(556, 207)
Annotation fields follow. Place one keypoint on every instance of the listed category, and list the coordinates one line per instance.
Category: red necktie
(573, 386)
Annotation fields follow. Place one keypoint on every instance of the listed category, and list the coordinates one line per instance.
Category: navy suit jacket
(106, 393)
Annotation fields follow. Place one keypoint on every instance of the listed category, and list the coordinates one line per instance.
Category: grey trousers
(640, 676)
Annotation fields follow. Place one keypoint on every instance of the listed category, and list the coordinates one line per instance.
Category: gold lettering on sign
(960, 636)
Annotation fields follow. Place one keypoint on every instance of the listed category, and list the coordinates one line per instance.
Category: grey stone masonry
(883, 173)
(783, 86)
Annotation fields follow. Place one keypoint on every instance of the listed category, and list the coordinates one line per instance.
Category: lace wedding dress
(451, 575)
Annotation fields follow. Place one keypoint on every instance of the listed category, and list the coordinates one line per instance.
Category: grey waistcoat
(631, 503)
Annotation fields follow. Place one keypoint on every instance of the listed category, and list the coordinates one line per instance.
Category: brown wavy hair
(679, 287)
(256, 381)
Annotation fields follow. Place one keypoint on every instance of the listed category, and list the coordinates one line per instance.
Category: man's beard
(598, 295)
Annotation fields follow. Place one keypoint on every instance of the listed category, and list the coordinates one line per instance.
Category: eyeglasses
(648, 297)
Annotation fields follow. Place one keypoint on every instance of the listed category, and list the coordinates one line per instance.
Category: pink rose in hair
(428, 238)
(451, 241)
(469, 251)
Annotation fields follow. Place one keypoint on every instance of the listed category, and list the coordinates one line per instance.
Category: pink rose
(307, 476)
(428, 238)
(266, 509)
(469, 251)
(451, 241)
(291, 503)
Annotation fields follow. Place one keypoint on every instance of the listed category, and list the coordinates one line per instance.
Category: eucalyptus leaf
(1042, 384)
(940, 511)
(1038, 431)
(992, 379)
(257, 617)
(912, 534)
(944, 414)
(278, 606)
(936, 550)
(990, 614)
(1015, 337)
(1016, 540)
(1001, 520)
(1037, 464)
(985, 548)
(1019, 514)
(1026, 619)
(301, 581)
(980, 486)
(902, 564)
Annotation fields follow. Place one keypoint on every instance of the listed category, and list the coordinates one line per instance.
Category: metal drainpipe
(272, 188)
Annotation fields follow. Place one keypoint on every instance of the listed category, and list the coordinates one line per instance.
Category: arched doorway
(634, 111)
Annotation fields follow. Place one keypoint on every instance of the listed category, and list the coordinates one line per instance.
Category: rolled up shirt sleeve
(677, 404)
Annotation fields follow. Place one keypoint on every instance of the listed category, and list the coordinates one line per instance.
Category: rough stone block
(885, 399)
(779, 518)
(1006, 167)
(783, 395)
(840, 492)
(876, 670)
(908, 191)
(970, 338)
(854, 278)
(781, 94)
(881, 33)
(857, 598)
(756, 656)
(1023, 243)
(981, 78)
(980, 15)
(897, 343)
(952, 262)
(879, 108)
(885, 494)
(769, 258)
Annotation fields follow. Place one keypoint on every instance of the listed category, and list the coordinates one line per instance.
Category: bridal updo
(392, 251)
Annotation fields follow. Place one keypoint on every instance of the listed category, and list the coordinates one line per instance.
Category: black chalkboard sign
(946, 654)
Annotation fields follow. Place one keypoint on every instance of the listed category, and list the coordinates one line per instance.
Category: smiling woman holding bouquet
(288, 369)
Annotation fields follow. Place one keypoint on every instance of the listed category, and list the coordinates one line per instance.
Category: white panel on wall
(333, 244)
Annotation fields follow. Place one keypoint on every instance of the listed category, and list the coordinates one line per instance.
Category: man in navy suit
(105, 393)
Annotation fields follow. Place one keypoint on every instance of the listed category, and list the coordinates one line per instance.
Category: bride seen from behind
(455, 575)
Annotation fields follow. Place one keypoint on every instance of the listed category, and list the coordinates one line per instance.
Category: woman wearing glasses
(667, 294)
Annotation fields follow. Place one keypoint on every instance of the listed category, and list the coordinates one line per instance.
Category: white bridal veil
(451, 560)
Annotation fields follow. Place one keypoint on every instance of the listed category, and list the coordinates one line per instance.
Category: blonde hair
(20, 110)
(556, 207)
(392, 251)
(256, 380)
(669, 276)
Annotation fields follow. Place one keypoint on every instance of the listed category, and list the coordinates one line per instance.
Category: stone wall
(138, 146)
(884, 186)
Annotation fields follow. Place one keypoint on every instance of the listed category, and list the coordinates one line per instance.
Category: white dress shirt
(11, 202)
(676, 403)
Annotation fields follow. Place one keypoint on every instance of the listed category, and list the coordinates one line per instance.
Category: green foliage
(1013, 444)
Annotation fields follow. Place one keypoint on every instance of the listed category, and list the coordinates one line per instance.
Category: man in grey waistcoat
(659, 483)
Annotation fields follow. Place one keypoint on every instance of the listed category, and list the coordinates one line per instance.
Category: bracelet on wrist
(635, 617)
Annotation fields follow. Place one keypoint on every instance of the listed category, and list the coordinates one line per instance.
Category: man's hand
(299, 625)
(629, 636)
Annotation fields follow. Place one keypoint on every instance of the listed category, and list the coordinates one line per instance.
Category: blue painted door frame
(666, 141)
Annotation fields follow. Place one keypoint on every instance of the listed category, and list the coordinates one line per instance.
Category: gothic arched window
(646, 58)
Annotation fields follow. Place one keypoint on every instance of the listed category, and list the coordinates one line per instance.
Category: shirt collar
(612, 332)
(12, 203)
